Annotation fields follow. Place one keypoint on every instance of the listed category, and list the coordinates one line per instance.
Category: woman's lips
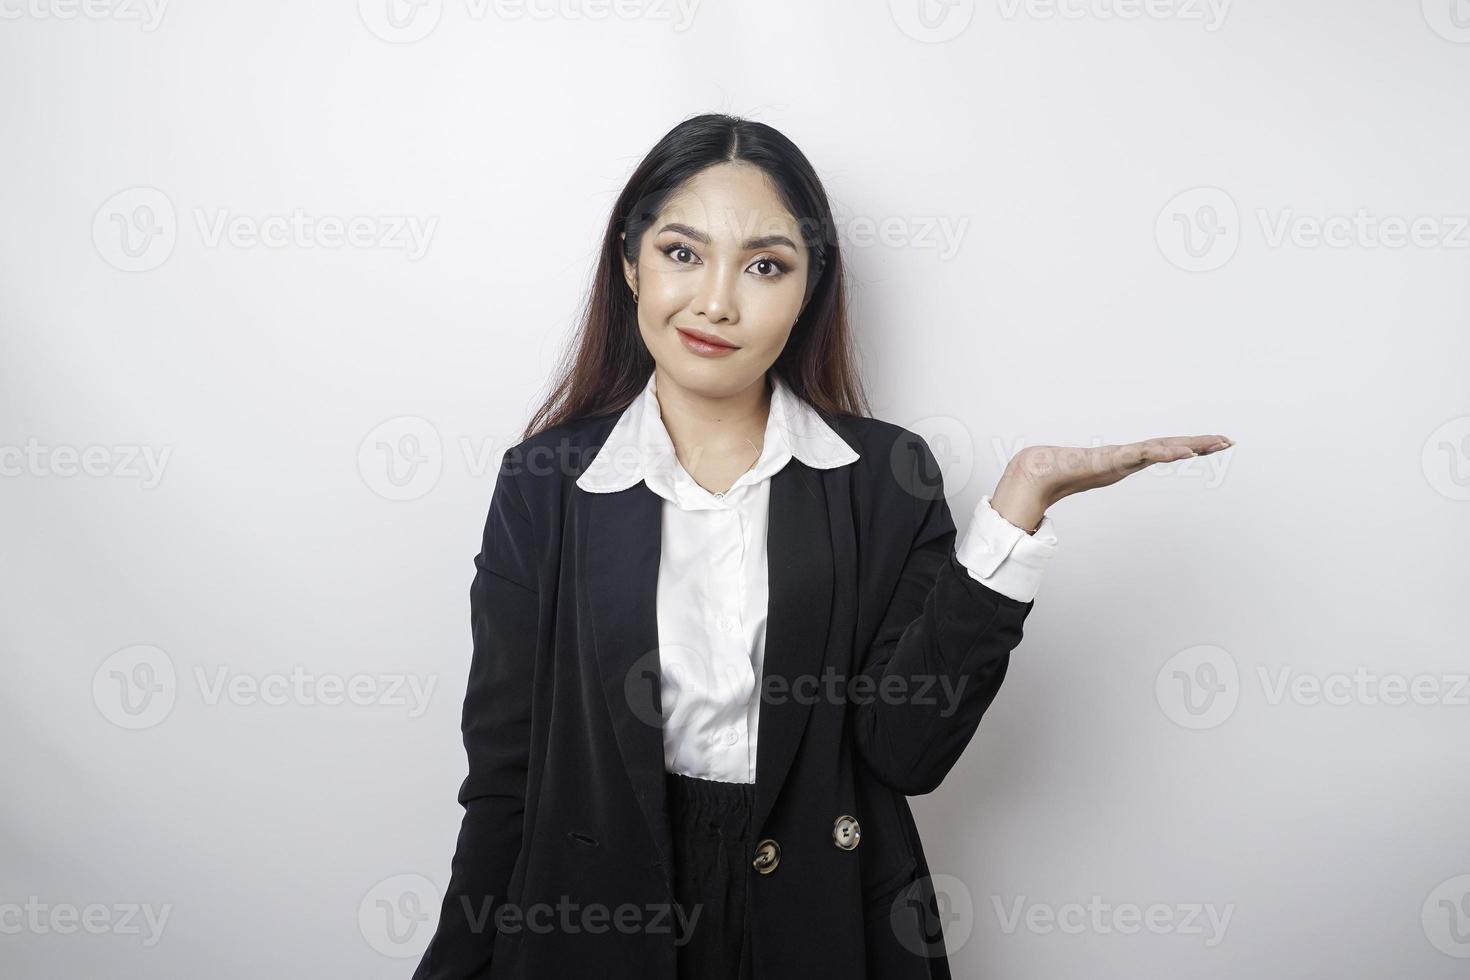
(703, 347)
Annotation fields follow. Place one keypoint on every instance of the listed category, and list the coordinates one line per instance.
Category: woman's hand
(1039, 476)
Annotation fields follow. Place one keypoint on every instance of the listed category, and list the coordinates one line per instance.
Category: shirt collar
(639, 448)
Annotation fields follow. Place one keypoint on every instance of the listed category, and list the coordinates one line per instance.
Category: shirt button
(724, 624)
(731, 736)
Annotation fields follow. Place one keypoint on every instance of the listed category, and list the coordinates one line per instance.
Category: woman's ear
(630, 270)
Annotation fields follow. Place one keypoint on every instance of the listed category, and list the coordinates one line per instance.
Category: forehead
(730, 201)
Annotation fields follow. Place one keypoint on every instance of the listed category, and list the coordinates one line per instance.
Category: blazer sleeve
(496, 726)
(941, 650)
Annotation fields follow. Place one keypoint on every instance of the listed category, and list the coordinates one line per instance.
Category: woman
(721, 624)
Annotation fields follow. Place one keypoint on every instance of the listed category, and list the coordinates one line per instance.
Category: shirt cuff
(1004, 557)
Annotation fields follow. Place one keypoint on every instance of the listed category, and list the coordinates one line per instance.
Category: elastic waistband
(693, 798)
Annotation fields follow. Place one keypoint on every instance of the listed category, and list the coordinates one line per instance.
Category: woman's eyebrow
(765, 241)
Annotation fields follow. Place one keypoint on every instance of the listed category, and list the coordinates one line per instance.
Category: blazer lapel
(623, 544)
(799, 556)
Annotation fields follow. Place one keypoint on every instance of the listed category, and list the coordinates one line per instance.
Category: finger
(1195, 445)
(1213, 444)
(1136, 455)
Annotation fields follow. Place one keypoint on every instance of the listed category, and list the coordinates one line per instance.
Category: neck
(714, 434)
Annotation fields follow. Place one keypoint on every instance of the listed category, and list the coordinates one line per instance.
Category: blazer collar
(639, 448)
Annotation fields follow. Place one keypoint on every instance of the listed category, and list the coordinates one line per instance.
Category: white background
(1130, 195)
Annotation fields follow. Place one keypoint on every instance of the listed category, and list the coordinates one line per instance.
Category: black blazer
(565, 797)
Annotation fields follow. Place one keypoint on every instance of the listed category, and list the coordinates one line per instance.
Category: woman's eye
(767, 268)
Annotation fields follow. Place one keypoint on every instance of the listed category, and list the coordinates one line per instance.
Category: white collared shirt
(712, 581)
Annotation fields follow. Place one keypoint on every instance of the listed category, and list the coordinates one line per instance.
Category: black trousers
(713, 850)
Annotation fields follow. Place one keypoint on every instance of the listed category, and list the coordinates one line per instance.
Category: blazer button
(767, 856)
(846, 832)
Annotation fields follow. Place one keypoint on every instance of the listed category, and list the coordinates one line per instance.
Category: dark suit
(565, 798)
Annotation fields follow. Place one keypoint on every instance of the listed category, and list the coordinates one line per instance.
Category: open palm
(1065, 470)
(1039, 476)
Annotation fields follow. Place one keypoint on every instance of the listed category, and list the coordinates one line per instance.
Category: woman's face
(724, 258)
